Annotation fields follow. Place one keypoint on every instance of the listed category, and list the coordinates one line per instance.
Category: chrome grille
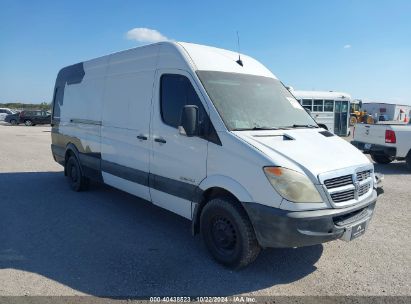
(343, 196)
(338, 181)
(363, 175)
(363, 189)
(348, 188)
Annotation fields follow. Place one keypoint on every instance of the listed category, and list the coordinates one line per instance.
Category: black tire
(76, 180)
(408, 160)
(13, 122)
(382, 159)
(228, 233)
(28, 122)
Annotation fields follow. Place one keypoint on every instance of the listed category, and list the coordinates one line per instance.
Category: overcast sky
(359, 47)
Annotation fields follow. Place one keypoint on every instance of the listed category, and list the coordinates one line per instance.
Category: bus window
(328, 105)
(308, 104)
(318, 105)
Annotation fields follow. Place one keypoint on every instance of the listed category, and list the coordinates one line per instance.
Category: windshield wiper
(255, 128)
(303, 126)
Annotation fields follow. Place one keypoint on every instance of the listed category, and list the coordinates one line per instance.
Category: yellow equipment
(357, 115)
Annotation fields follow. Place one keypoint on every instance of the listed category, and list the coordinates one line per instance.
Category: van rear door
(178, 163)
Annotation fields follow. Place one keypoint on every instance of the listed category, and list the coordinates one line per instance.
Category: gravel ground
(107, 243)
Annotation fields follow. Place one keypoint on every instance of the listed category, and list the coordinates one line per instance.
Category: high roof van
(216, 139)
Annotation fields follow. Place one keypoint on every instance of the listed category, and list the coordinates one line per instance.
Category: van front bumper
(282, 228)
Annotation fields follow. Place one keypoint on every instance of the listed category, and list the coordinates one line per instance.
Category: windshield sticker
(294, 103)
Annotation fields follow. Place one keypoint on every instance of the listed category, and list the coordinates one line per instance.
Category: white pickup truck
(384, 142)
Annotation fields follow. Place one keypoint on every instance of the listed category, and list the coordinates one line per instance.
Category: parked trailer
(214, 139)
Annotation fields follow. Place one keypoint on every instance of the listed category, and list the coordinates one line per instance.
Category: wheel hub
(223, 233)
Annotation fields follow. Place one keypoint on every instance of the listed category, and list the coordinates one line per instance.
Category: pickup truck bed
(384, 142)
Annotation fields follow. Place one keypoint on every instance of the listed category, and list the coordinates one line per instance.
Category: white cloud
(142, 34)
(347, 46)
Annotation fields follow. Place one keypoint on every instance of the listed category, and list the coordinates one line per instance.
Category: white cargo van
(217, 140)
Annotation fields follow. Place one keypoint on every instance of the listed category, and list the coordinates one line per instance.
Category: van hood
(311, 149)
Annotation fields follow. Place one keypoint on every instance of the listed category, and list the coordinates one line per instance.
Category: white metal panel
(309, 149)
(237, 165)
(321, 95)
(126, 113)
(216, 59)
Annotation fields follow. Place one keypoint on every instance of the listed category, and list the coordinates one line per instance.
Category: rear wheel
(382, 159)
(28, 122)
(228, 233)
(76, 180)
(13, 122)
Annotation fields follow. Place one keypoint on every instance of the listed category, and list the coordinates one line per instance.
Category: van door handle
(142, 137)
(160, 140)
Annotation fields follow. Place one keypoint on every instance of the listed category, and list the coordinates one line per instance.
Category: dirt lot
(107, 243)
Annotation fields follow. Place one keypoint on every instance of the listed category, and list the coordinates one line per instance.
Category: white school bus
(329, 109)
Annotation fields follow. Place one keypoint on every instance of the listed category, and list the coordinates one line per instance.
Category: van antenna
(239, 61)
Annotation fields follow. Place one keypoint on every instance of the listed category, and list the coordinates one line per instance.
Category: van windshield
(249, 102)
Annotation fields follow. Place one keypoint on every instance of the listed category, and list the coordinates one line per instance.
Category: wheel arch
(217, 186)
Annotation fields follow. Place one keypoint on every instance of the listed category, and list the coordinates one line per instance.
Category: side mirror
(189, 121)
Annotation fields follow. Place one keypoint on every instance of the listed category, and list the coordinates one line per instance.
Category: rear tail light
(390, 137)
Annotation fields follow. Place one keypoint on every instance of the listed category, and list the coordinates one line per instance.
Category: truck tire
(77, 181)
(228, 233)
(353, 120)
(408, 160)
(382, 159)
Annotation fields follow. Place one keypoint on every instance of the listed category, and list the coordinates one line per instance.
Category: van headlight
(292, 185)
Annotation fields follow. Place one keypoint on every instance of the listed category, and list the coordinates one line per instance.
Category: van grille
(363, 189)
(353, 186)
(363, 175)
(343, 196)
(338, 181)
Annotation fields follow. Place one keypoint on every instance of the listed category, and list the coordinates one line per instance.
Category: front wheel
(382, 159)
(13, 122)
(77, 181)
(228, 233)
(28, 122)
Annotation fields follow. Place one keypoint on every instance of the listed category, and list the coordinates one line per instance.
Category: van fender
(216, 181)
(228, 184)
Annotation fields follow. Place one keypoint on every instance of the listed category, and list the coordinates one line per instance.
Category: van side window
(57, 102)
(176, 91)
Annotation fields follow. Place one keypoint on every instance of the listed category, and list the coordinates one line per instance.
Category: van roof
(189, 55)
(215, 59)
